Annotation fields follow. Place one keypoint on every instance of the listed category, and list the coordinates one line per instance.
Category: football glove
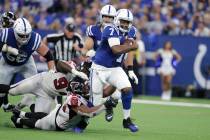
(9, 49)
(132, 75)
(79, 74)
(110, 103)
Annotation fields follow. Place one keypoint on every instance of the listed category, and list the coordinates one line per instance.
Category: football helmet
(107, 11)
(124, 20)
(22, 30)
(8, 19)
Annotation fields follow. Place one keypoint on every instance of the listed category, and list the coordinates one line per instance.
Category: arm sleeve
(89, 31)
(132, 33)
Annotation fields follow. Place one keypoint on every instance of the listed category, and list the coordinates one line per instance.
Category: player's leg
(43, 104)
(124, 86)
(28, 70)
(6, 74)
(96, 88)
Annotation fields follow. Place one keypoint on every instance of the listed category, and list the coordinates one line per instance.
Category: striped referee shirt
(63, 46)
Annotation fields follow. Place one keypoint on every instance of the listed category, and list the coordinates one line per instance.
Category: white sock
(5, 105)
(126, 113)
(18, 120)
(22, 114)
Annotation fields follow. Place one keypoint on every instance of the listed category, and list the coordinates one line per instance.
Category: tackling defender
(70, 115)
(46, 85)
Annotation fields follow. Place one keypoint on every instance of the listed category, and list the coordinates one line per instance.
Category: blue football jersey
(104, 55)
(7, 36)
(94, 31)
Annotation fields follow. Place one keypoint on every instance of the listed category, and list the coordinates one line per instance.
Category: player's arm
(128, 46)
(44, 51)
(177, 55)
(65, 68)
(96, 110)
(88, 45)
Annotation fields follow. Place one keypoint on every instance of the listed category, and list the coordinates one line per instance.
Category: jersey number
(60, 83)
(112, 31)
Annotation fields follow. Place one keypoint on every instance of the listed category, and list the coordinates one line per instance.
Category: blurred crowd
(154, 17)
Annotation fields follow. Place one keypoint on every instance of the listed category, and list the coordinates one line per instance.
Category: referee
(67, 45)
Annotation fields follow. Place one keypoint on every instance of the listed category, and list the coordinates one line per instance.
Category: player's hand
(52, 71)
(9, 49)
(79, 74)
(90, 53)
(110, 103)
(133, 76)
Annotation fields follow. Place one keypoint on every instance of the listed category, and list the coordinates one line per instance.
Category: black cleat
(16, 112)
(14, 120)
(128, 124)
(109, 114)
(8, 108)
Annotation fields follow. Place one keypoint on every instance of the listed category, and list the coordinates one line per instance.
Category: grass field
(156, 122)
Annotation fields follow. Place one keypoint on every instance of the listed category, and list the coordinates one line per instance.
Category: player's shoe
(109, 114)
(14, 120)
(8, 108)
(16, 112)
(128, 124)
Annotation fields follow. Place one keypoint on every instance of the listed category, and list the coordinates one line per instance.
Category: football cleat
(109, 114)
(14, 120)
(8, 107)
(16, 112)
(128, 124)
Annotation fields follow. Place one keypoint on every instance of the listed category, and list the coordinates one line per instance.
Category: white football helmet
(109, 11)
(124, 15)
(22, 30)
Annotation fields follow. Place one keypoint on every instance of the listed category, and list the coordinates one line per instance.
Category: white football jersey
(55, 84)
(67, 118)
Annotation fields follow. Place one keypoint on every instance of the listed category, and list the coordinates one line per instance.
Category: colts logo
(203, 82)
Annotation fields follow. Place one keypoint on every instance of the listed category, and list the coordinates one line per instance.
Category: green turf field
(156, 122)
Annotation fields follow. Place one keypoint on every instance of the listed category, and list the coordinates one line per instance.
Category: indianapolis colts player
(106, 67)
(7, 21)
(17, 45)
(107, 15)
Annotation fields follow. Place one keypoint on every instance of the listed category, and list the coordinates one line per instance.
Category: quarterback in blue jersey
(17, 45)
(107, 69)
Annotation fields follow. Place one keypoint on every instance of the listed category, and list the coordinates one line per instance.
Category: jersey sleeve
(4, 35)
(89, 31)
(37, 41)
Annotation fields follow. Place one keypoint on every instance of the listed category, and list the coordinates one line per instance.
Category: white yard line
(167, 103)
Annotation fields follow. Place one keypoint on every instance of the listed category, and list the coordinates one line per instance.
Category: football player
(46, 85)
(106, 67)
(7, 20)
(17, 45)
(70, 115)
(93, 32)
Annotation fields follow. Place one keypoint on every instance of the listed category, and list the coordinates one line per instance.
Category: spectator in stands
(167, 57)
(202, 30)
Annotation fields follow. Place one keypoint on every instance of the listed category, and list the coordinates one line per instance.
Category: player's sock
(35, 115)
(6, 101)
(28, 122)
(4, 88)
(126, 102)
(32, 107)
